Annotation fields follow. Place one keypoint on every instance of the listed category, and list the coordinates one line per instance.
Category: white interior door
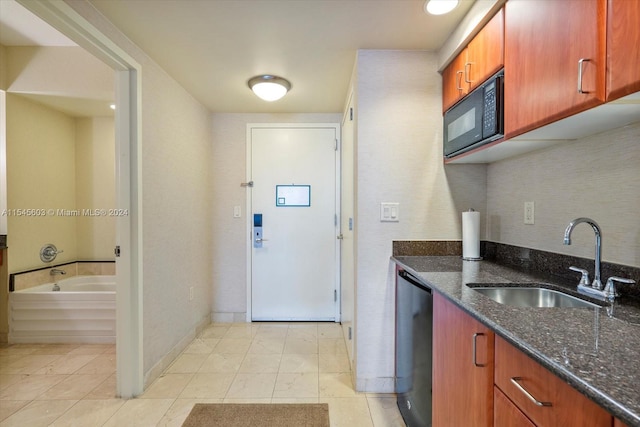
(294, 255)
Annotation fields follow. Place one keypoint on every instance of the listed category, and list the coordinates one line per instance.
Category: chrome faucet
(55, 271)
(595, 290)
(610, 292)
(597, 283)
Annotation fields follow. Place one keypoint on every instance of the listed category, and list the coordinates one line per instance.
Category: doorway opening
(67, 21)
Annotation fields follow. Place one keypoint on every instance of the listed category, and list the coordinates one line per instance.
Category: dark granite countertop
(597, 353)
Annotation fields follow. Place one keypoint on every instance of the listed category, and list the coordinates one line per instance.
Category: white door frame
(249, 210)
(61, 16)
(348, 254)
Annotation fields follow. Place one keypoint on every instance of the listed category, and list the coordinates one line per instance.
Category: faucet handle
(584, 279)
(610, 289)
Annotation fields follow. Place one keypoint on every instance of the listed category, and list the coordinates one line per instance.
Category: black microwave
(475, 120)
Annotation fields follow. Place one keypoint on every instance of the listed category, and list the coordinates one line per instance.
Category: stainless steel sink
(532, 297)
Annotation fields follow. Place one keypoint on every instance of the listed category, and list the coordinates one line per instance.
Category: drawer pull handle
(475, 359)
(515, 382)
(580, 64)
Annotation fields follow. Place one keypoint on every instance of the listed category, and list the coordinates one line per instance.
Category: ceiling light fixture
(440, 7)
(112, 106)
(268, 87)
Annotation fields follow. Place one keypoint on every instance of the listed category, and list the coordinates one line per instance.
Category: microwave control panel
(490, 119)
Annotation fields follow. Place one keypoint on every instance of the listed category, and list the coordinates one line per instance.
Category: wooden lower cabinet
(462, 377)
(506, 414)
(559, 404)
(475, 377)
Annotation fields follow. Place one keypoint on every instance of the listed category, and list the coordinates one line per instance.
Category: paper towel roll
(471, 235)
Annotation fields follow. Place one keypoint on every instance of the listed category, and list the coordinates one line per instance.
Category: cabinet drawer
(506, 414)
(523, 380)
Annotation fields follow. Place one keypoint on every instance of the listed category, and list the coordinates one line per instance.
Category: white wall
(3, 158)
(95, 187)
(596, 177)
(228, 258)
(399, 159)
(63, 165)
(176, 203)
(40, 175)
(3, 134)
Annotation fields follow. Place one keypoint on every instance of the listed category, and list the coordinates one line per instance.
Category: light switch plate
(389, 212)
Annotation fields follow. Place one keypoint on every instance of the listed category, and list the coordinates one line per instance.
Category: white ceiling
(212, 47)
(19, 28)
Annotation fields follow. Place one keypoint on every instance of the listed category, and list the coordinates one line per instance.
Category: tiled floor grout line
(260, 343)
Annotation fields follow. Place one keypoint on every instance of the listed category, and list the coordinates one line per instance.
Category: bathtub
(83, 311)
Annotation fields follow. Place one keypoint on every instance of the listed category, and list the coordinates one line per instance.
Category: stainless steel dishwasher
(414, 330)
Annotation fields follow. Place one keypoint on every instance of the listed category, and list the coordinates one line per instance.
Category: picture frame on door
(297, 196)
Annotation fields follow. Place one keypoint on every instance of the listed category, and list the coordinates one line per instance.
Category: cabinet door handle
(515, 381)
(580, 63)
(475, 359)
(467, 68)
(459, 80)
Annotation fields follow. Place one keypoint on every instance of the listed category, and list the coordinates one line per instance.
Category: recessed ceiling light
(268, 87)
(112, 106)
(440, 7)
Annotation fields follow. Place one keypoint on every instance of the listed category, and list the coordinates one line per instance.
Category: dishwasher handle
(412, 280)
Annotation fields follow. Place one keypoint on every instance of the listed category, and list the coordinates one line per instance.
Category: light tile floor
(74, 385)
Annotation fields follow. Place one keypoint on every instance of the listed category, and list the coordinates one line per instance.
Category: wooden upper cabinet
(554, 60)
(462, 378)
(623, 54)
(485, 53)
(454, 88)
(480, 59)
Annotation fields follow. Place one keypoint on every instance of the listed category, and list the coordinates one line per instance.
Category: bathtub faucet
(55, 271)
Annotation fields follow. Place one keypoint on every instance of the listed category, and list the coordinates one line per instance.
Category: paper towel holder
(471, 258)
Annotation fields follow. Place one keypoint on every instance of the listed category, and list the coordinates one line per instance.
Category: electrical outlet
(191, 293)
(529, 213)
